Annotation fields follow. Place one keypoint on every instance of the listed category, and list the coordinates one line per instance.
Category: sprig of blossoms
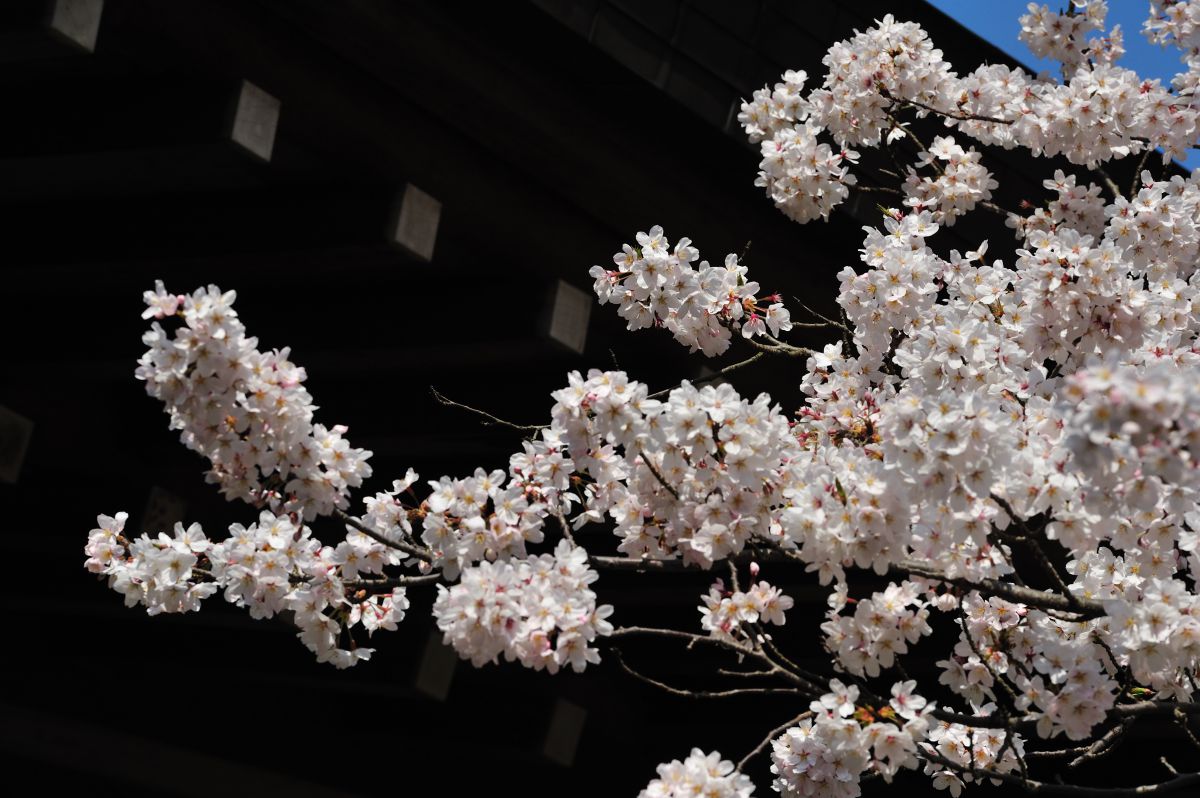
(700, 774)
(726, 612)
(805, 178)
(889, 60)
(1080, 208)
(961, 182)
(1173, 22)
(1064, 36)
(538, 611)
(269, 567)
(881, 627)
(973, 751)
(827, 754)
(245, 410)
(693, 477)
(655, 285)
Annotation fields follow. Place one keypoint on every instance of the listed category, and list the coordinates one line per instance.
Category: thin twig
(1137, 173)
(676, 634)
(771, 735)
(566, 527)
(877, 190)
(678, 691)
(826, 319)
(746, 674)
(961, 116)
(1182, 721)
(489, 419)
(780, 348)
(722, 372)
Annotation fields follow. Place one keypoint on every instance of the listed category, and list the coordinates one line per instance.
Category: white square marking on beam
(562, 738)
(255, 120)
(78, 20)
(436, 670)
(15, 432)
(569, 316)
(417, 222)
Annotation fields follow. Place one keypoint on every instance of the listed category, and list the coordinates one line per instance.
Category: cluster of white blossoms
(1174, 22)
(537, 610)
(1134, 432)
(1055, 668)
(693, 477)
(655, 285)
(1106, 112)
(973, 752)
(156, 572)
(804, 177)
(701, 774)
(961, 182)
(1064, 36)
(1100, 111)
(726, 613)
(975, 417)
(246, 411)
(827, 754)
(479, 518)
(882, 627)
(267, 568)
(1078, 207)
(867, 73)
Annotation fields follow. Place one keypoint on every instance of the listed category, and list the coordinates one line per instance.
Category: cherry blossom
(992, 461)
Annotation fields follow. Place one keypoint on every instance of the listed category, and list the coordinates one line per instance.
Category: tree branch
(1045, 788)
(416, 551)
(391, 581)
(661, 479)
(1109, 183)
(1047, 600)
(1101, 747)
(779, 348)
(676, 634)
(961, 116)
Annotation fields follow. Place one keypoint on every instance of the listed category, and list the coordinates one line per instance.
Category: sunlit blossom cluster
(880, 628)
(826, 754)
(960, 182)
(1078, 207)
(538, 610)
(1065, 36)
(272, 566)
(656, 285)
(694, 476)
(1007, 441)
(730, 614)
(245, 410)
(700, 774)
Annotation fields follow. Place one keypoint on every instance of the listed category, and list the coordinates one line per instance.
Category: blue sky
(996, 21)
